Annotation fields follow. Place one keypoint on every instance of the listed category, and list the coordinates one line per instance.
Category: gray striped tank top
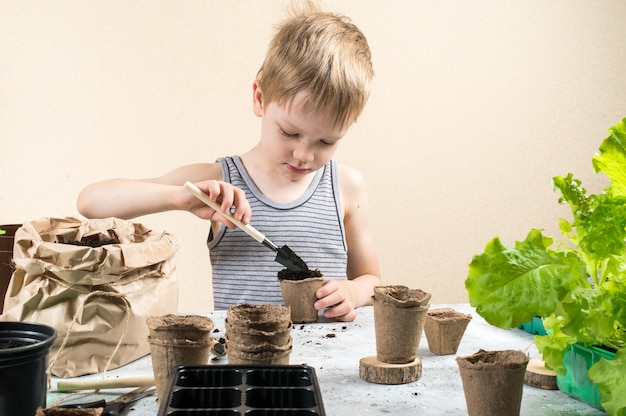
(244, 270)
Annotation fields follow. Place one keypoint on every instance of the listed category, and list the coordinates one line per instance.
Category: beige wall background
(476, 106)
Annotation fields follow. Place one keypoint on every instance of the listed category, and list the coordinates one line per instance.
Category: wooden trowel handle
(247, 228)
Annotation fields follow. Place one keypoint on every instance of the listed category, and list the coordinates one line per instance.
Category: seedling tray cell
(231, 390)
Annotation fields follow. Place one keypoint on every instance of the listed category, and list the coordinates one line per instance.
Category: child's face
(297, 141)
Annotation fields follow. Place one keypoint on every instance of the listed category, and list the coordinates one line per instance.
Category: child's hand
(227, 196)
(335, 297)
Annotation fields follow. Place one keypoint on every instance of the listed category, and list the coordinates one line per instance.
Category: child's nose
(303, 153)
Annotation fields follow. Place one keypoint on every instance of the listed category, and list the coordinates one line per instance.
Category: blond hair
(324, 55)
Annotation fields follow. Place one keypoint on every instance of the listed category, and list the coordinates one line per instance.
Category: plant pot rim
(43, 335)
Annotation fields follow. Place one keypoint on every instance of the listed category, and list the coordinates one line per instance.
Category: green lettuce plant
(577, 285)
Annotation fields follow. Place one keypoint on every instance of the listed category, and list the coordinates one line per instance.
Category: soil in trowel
(288, 274)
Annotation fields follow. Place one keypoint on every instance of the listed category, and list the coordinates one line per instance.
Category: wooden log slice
(537, 375)
(374, 371)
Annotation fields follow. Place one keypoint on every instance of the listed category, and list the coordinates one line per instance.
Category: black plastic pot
(6, 258)
(24, 349)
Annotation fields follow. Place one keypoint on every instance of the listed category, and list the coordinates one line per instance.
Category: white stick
(112, 383)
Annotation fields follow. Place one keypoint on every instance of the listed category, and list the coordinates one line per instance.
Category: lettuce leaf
(554, 344)
(509, 286)
(609, 375)
(577, 286)
(612, 159)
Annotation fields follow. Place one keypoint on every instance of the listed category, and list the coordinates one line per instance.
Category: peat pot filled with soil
(298, 289)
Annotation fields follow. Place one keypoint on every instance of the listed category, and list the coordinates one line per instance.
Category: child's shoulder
(350, 179)
(349, 173)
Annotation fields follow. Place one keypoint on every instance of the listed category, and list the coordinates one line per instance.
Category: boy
(311, 88)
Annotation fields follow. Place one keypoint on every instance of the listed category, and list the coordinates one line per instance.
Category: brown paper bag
(96, 297)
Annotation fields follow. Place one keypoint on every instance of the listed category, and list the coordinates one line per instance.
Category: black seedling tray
(231, 390)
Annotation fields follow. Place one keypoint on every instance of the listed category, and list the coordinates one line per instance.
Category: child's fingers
(341, 312)
(242, 212)
(227, 196)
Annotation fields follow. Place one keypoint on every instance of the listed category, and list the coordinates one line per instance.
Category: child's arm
(340, 298)
(128, 198)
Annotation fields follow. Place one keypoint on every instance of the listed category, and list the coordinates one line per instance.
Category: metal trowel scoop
(284, 255)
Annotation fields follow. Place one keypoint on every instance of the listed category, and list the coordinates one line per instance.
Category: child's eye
(284, 133)
(326, 143)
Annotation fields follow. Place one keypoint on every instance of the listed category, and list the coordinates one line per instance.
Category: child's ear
(257, 99)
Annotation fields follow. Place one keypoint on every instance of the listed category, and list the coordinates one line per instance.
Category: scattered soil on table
(288, 274)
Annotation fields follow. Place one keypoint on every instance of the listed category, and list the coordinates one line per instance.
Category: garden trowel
(284, 255)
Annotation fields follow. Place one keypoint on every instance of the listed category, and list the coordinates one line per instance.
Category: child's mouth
(294, 169)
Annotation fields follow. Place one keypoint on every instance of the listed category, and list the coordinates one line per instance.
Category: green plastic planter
(535, 326)
(578, 359)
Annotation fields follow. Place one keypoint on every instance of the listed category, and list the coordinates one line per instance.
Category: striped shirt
(244, 270)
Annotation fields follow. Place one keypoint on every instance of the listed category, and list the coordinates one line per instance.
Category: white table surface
(335, 359)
